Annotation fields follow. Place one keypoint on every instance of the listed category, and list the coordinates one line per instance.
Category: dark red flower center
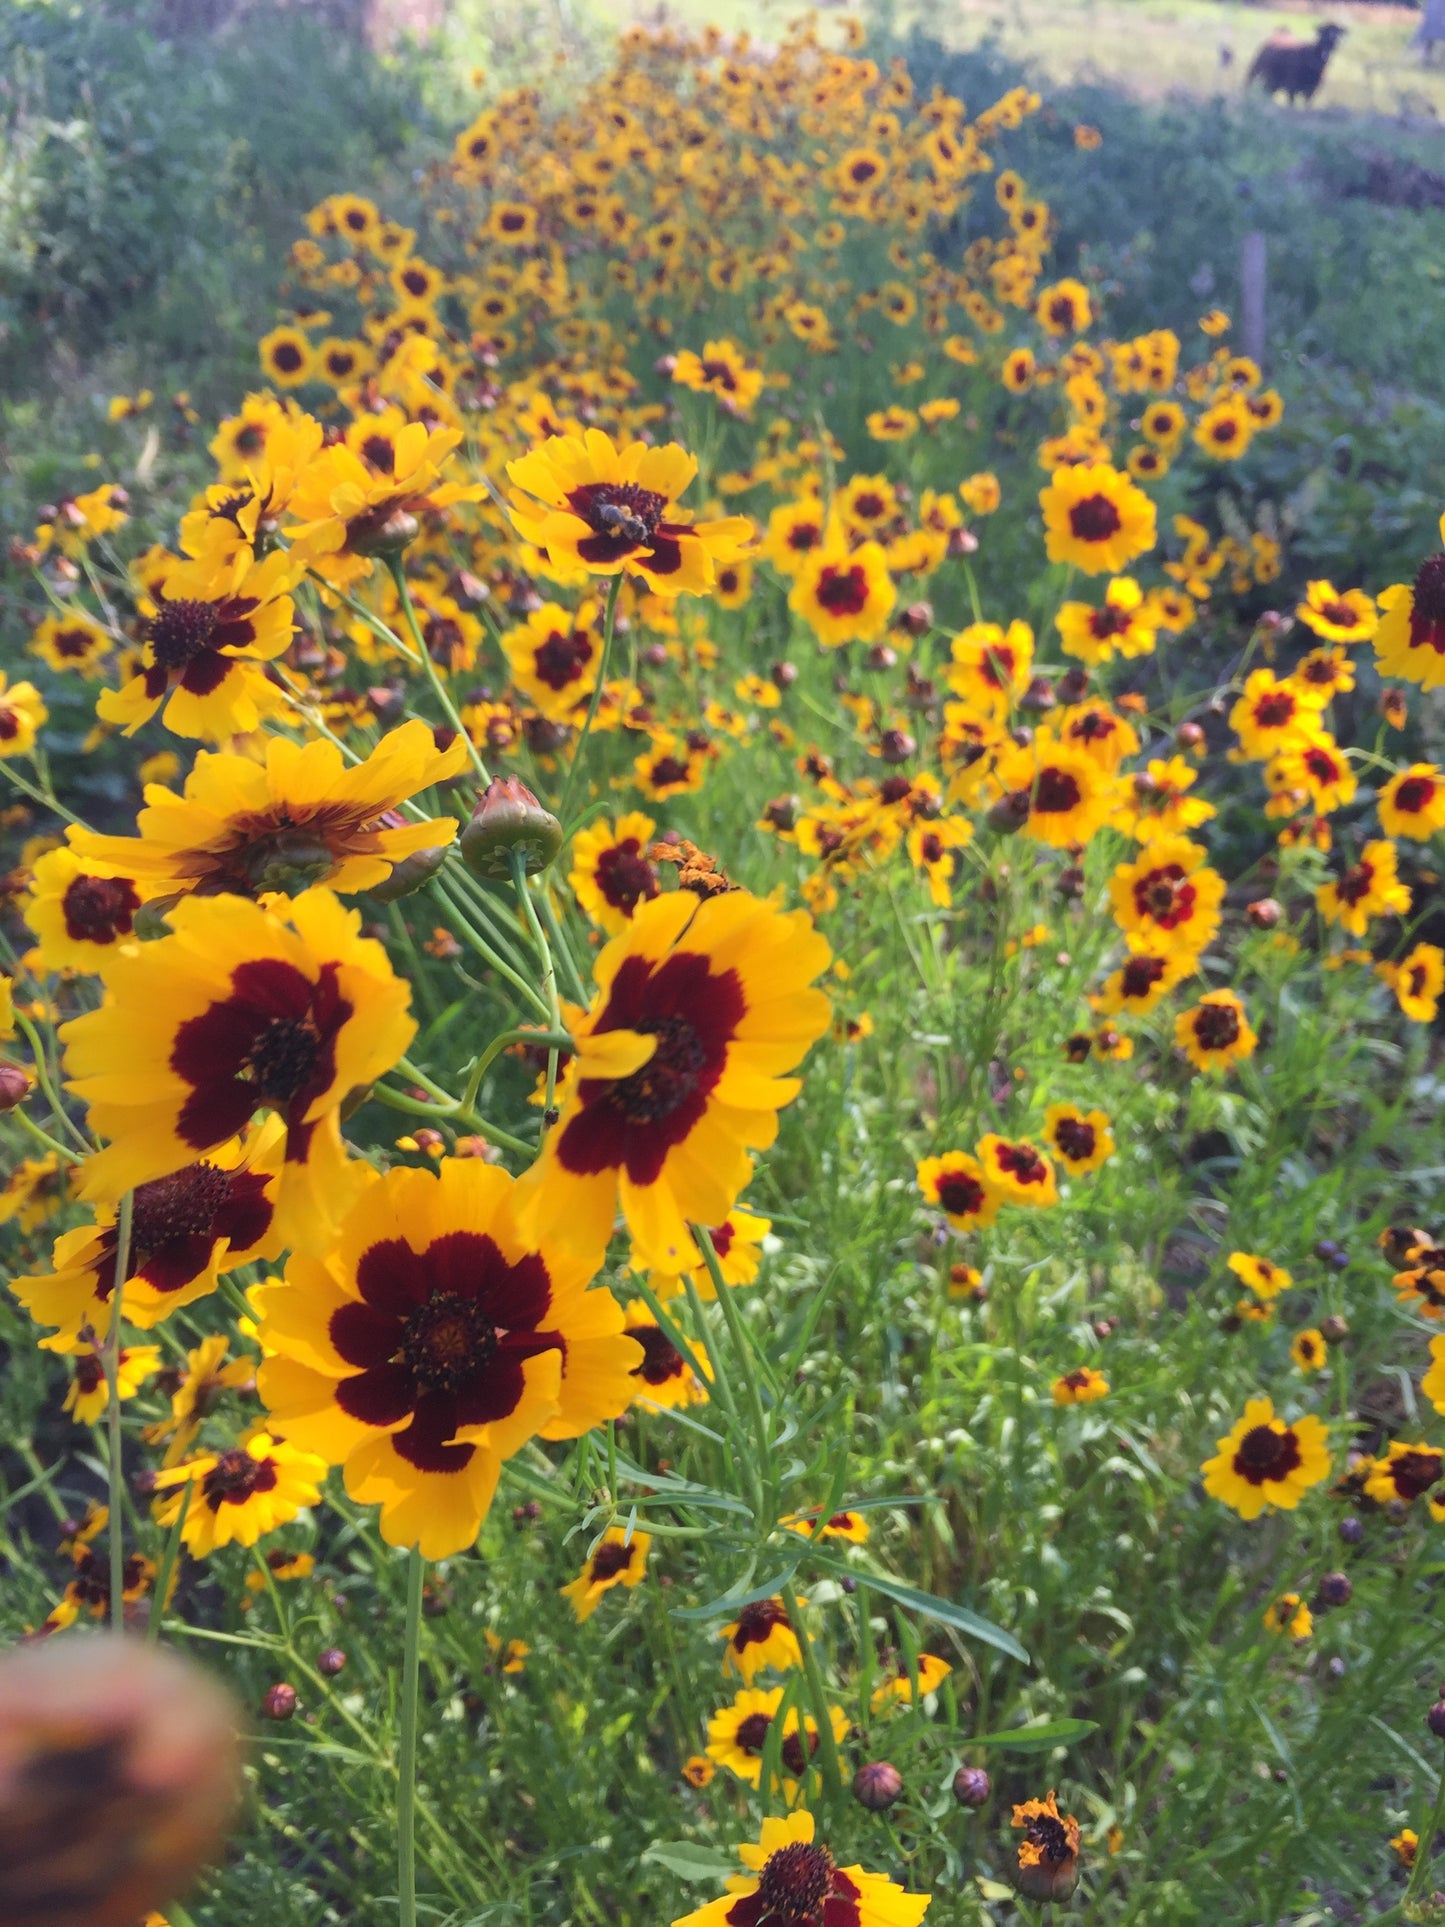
(842, 592)
(803, 536)
(1427, 611)
(661, 1360)
(1275, 710)
(440, 1336)
(1109, 621)
(960, 1194)
(99, 909)
(756, 1623)
(1140, 975)
(795, 1881)
(1416, 793)
(1022, 1162)
(180, 1206)
(610, 1560)
(1094, 519)
(379, 452)
(180, 630)
(1166, 895)
(560, 660)
(447, 1341)
(667, 771)
(1266, 1456)
(236, 1477)
(1355, 884)
(286, 357)
(1050, 1836)
(1216, 1026)
(1414, 1472)
(625, 877)
(634, 1121)
(271, 1042)
(720, 374)
(1056, 792)
(1076, 1139)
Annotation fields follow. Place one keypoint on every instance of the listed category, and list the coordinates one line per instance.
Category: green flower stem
(817, 1694)
(42, 1078)
(381, 630)
(112, 1415)
(44, 1137)
(574, 767)
(494, 961)
(747, 1365)
(42, 796)
(518, 865)
(560, 946)
(406, 1764)
(168, 1564)
(1419, 1873)
(554, 1040)
(433, 674)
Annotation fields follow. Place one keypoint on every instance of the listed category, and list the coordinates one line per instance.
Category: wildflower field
(721, 1068)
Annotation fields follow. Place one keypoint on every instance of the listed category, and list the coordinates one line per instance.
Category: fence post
(1252, 270)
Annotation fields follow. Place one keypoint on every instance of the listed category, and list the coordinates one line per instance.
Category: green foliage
(149, 186)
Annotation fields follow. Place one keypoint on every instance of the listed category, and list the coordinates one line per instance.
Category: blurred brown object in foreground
(119, 1772)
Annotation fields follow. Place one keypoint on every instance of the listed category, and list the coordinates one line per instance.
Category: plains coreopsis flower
(431, 1343)
(300, 816)
(959, 1186)
(761, 1637)
(345, 512)
(586, 503)
(22, 717)
(1096, 518)
(618, 1559)
(208, 630)
(242, 1009)
(1410, 640)
(1080, 1140)
(1367, 888)
(1167, 900)
(1406, 1473)
(721, 370)
(240, 1494)
(1125, 625)
(1047, 1861)
(1264, 1278)
(702, 1008)
(843, 593)
(1338, 615)
(186, 1230)
(611, 873)
(1418, 981)
(79, 912)
(1079, 1387)
(932, 1672)
(554, 657)
(794, 1881)
(1412, 803)
(1056, 794)
(738, 1734)
(1017, 1171)
(665, 1377)
(1266, 1461)
(1215, 1032)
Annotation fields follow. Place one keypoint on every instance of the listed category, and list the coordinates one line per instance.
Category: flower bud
(279, 1702)
(877, 1785)
(1010, 813)
(971, 1786)
(508, 817)
(784, 674)
(1070, 883)
(1435, 1719)
(331, 1662)
(962, 542)
(1038, 697)
(881, 657)
(896, 745)
(375, 535)
(655, 655)
(917, 619)
(1351, 1530)
(1264, 913)
(1335, 1589)
(14, 1086)
(1073, 684)
(782, 812)
(1334, 1328)
(1189, 736)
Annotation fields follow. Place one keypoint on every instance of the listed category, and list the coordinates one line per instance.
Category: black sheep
(1295, 67)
